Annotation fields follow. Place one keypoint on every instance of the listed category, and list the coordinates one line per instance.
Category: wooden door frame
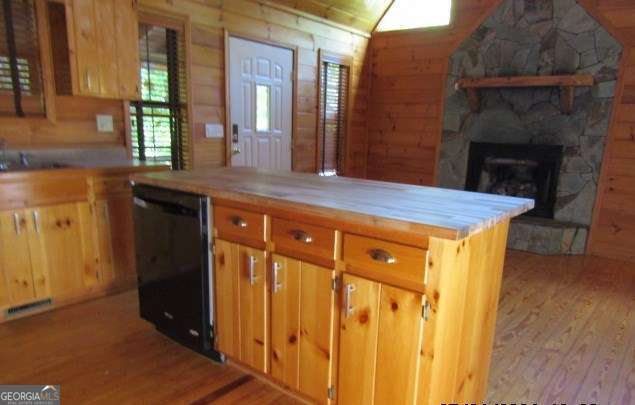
(344, 60)
(294, 92)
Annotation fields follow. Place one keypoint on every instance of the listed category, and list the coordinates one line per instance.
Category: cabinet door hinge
(330, 392)
(335, 283)
(425, 310)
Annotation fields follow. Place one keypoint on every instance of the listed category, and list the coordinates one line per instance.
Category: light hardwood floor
(565, 334)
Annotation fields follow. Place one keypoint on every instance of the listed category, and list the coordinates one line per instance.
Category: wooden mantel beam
(567, 83)
(527, 81)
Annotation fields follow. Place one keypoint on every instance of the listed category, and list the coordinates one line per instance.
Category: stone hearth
(536, 37)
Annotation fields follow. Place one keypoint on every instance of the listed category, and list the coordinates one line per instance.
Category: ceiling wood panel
(359, 14)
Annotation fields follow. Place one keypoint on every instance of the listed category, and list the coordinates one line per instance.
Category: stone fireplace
(525, 130)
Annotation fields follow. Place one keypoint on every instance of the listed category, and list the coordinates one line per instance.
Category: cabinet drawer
(302, 240)
(111, 185)
(240, 226)
(396, 264)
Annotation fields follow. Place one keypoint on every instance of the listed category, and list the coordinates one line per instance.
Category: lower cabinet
(241, 292)
(302, 319)
(381, 333)
(114, 232)
(16, 272)
(47, 251)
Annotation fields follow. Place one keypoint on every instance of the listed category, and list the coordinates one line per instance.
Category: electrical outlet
(104, 123)
(214, 131)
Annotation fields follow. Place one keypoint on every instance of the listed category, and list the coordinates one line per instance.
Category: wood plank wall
(408, 75)
(75, 125)
(613, 228)
(210, 18)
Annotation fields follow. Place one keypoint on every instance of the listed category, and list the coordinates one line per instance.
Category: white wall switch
(214, 131)
(104, 123)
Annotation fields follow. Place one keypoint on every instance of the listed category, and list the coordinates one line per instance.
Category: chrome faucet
(24, 159)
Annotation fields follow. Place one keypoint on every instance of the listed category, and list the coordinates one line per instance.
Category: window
(263, 102)
(333, 102)
(20, 70)
(407, 14)
(159, 120)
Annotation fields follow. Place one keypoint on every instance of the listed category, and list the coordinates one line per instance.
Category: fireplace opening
(518, 170)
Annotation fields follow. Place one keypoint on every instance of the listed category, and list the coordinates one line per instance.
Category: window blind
(333, 99)
(20, 70)
(159, 120)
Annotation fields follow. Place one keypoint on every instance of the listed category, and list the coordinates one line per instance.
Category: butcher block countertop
(436, 212)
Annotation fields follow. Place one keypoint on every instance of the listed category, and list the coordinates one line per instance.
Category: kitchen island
(354, 291)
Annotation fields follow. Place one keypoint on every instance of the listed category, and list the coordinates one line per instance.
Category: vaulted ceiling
(360, 14)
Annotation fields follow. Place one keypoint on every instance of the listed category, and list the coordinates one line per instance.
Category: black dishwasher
(173, 266)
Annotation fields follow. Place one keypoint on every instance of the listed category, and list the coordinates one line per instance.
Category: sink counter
(436, 212)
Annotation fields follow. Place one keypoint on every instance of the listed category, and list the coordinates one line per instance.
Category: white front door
(261, 104)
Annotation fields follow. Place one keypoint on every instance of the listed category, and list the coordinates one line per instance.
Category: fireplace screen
(528, 171)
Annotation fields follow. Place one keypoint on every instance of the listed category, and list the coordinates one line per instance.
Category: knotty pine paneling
(408, 75)
(74, 126)
(210, 19)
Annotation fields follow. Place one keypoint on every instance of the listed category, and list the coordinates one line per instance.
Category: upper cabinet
(95, 48)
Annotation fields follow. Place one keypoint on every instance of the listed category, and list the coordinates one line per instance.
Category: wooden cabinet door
(105, 29)
(66, 246)
(398, 346)
(252, 293)
(15, 260)
(226, 325)
(120, 220)
(86, 49)
(359, 326)
(128, 65)
(380, 341)
(103, 239)
(302, 317)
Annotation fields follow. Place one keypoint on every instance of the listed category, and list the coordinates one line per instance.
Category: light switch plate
(104, 123)
(214, 131)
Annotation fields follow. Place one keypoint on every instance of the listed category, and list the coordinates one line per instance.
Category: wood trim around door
(294, 92)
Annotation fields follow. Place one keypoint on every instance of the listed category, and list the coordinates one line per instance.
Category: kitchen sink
(17, 167)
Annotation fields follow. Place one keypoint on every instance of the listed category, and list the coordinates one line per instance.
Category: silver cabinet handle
(168, 315)
(251, 263)
(16, 223)
(277, 286)
(301, 236)
(349, 309)
(194, 333)
(381, 255)
(36, 221)
(239, 222)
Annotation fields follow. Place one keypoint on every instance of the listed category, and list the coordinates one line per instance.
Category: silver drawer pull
(301, 236)
(36, 221)
(277, 286)
(381, 255)
(168, 315)
(16, 223)
(239, 222)
(349, 309)
(194, 333)
(251, 271)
